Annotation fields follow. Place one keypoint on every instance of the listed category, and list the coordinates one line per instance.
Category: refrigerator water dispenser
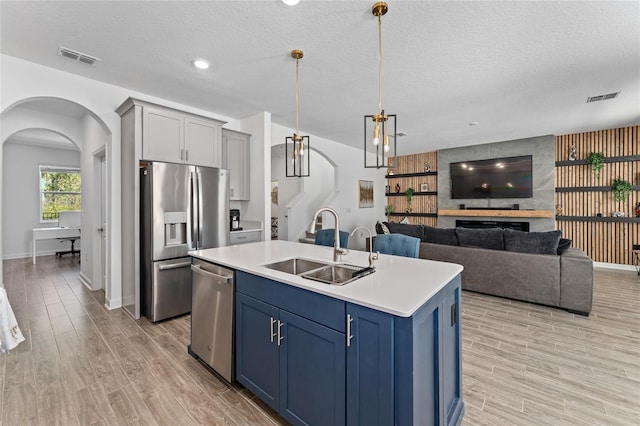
(175, 228)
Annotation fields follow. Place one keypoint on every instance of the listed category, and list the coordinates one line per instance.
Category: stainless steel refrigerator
(182, 208)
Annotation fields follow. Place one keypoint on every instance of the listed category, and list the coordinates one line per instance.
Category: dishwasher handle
(174, 266)
(198, 270)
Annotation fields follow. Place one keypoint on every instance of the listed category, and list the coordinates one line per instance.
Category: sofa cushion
(490, 238)
(440, 236)
(532, 242)
(401, 228)
(563, 245)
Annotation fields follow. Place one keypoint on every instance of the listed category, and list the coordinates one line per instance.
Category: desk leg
(34, 250)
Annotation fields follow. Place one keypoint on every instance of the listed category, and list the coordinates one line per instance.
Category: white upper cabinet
(176, 137)
(236, 149)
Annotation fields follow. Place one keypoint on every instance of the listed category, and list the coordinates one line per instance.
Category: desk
(52, 233)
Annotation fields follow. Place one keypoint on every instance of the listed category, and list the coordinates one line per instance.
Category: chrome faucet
(372, 256)
(337, 251)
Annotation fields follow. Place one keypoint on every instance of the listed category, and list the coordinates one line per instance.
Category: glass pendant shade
(297, 159)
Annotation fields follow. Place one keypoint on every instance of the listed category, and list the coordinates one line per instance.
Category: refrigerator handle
(200, 210)
(192, 206)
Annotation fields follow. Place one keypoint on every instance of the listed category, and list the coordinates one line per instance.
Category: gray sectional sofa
(537, 267)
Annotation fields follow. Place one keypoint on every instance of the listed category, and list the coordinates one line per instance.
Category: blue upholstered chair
(397, 244)
(324, 237)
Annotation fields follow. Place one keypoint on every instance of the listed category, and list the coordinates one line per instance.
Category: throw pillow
(405, 220)
(489, 238)
(532, 242)
(384, 229)
(440, 236)
(563, 245)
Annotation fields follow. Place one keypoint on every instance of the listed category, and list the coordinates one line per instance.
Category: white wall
(348, 163)
(21, 205)
(22, 80)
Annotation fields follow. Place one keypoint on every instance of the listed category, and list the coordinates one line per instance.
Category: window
(59, 191)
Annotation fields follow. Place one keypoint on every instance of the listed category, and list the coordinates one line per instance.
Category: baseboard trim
(614, 266)
(86, 281)
(112, 304)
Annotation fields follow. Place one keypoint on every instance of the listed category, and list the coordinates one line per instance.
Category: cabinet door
(162, 135)
(257, 351)
(312, 372)
(370, 369)
(203, 143)
(237, 161)
(451, 371)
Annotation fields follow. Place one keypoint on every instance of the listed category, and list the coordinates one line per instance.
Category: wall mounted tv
(509, 177)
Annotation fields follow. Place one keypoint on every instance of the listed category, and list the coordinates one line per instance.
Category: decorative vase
(638, 209)
(572, 153)
(397, 188)
(427, 167)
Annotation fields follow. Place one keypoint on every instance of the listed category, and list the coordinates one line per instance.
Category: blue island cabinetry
(318, 360)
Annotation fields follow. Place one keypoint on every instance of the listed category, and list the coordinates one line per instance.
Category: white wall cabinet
(236, 152)
(176, 137)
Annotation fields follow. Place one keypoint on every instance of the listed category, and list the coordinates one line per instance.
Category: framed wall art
(365, 193)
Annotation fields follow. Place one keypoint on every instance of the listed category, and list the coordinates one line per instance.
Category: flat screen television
(509, 177)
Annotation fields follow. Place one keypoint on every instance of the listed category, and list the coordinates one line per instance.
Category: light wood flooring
(523, 364)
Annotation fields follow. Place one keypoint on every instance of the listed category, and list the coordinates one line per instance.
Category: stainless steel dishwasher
(212, 317)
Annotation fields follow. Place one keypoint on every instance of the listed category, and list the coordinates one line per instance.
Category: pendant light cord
(297, 98)
(380, 64)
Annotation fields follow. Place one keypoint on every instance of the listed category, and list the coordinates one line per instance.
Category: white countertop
(249, 226)
(399, 286)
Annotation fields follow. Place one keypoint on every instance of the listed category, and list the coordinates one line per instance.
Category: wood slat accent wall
(602, 241)
(419, 203)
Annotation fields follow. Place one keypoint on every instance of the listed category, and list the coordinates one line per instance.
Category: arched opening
(299, 198)
(55, 132)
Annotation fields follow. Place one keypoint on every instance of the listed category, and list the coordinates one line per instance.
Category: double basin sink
(328, 273)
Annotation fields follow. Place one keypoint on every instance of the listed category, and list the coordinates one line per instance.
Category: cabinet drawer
(322, 309)
(237, 237)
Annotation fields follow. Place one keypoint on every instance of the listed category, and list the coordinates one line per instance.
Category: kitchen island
(384, 349)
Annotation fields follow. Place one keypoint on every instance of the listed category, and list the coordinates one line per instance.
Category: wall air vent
(602, 97)
(77, 56)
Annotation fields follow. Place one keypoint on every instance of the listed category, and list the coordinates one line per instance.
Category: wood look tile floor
(523, 364)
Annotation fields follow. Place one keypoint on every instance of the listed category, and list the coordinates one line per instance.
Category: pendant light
(297, 147)
(379, 128)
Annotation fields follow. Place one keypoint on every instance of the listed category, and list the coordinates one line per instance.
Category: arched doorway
(82, 129)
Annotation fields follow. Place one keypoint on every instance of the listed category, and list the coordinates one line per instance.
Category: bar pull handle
(198, 269)
(454, 314)
(181, 154)
(273, 333)
(174, 266)
(280, 338)
(349, 335)
(186, 155)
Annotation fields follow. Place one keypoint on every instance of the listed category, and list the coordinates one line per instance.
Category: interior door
(103, 223)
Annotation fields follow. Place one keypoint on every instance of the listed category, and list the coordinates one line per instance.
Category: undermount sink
(295, 266)
(328, 273)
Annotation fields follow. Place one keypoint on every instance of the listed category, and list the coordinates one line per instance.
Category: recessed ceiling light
(474, 123)
(201, 64)
(290, 2)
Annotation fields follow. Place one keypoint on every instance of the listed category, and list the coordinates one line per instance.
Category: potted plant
(409, 193)
(388, 209)
(596, 159)
(621, 189)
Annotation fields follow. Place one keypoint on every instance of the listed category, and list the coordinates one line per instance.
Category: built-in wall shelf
(404, 175)
(498, 213)
(402, 194)
(620, 159)
(414, 214)
(597, 219)
(590, 188)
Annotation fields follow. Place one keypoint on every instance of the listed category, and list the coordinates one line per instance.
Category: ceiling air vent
(77, 56)
(602, 97)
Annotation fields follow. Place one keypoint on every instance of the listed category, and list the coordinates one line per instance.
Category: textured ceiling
(520, 69)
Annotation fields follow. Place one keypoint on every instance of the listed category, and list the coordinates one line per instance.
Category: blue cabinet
(322, 361)
(294, 364)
